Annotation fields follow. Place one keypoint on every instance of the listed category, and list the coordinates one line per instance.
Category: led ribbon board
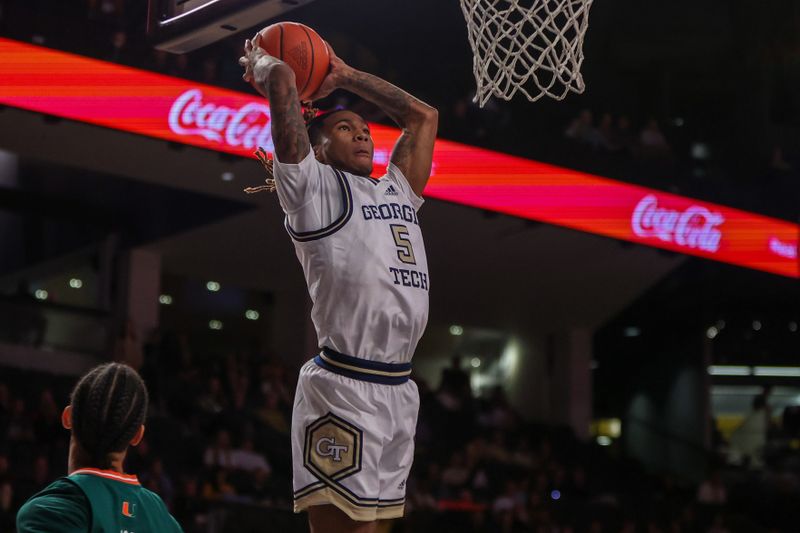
(163, 107)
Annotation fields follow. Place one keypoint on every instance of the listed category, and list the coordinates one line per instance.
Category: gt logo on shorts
(327, 447)
(332, 448)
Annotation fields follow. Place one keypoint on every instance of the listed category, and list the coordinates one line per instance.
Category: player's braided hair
(314, 122)
(109, 404)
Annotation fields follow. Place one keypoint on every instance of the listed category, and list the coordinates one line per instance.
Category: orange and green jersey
(94, 501)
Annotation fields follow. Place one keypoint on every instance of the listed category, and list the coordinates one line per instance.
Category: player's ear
(138, 437)
(319, 153)
(66, 417)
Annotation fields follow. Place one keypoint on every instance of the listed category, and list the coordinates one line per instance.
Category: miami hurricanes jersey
(359, 242)
(96, 501)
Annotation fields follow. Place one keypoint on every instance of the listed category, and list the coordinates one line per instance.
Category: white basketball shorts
(353, 428)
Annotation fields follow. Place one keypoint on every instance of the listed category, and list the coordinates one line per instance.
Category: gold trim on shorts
(326, 495)
(332, 451)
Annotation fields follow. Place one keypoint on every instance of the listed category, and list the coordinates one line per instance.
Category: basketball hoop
(530, 46)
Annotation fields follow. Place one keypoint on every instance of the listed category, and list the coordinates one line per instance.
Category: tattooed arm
(413, 152)
(275, 80)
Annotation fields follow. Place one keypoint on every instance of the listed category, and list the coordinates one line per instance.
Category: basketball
(302, 49)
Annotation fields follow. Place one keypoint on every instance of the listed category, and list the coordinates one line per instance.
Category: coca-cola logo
(696, 227)
(243, 128)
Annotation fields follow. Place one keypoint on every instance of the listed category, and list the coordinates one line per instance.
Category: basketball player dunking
(360, 245)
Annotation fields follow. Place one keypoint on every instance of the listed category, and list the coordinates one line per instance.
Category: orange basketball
(302, 49)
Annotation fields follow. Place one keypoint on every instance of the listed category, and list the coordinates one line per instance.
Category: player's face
(348, 144)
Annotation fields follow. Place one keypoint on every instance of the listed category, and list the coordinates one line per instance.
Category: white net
(534, 47)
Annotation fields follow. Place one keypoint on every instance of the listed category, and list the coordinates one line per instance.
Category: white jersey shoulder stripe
(336, 225)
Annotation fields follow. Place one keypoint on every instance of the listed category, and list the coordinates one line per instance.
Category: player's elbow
(425, 116)
(430, 114)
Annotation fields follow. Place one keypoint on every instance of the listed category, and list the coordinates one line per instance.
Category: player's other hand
(338, 73)
(257, 64)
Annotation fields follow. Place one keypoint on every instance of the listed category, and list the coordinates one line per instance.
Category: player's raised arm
(413, 152)
(274, 79)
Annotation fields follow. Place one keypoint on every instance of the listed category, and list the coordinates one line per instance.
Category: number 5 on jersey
(404, 250)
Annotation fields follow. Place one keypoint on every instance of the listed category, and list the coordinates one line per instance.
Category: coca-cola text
(243, 128)
(696, 227)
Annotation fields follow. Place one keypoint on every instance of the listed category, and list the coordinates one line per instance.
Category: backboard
(180, 26)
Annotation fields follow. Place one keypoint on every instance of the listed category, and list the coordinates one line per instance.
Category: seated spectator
(190, 510)
(271, 415)
(712, 491)
(507, 507)
(652, 141)
(581, 128)
(245, 458)
(748, 440)
(19, 429)
(456, 475)
(220, 454)
(213, 401)
(606, 138)
(217, 487)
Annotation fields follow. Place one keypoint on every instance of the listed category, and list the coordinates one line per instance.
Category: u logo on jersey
(128, 509)
(332, 448)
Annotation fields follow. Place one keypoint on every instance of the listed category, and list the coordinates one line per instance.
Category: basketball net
(530, 46)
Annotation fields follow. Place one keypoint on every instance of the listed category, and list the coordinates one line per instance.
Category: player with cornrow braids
(106, 415)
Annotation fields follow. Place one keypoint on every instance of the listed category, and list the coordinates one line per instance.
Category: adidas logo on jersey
(401, 485)
(391, 191)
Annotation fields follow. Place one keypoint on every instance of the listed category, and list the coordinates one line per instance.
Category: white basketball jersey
(360, 245)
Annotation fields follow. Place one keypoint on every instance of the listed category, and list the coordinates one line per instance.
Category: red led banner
(132, 100)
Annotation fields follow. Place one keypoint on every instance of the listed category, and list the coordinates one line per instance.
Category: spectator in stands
(652, 142)
(220, 454)
(506, 507)
(606, 137)
(218, 487)
(20, 429)
(271, 415)
(624, 137)
(456, 475)
(247, 459)
(213, 401)
(712, 491)
(190, 509)
(748, 440)
(581, 128)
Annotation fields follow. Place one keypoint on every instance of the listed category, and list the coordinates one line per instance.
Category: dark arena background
(614, 333)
